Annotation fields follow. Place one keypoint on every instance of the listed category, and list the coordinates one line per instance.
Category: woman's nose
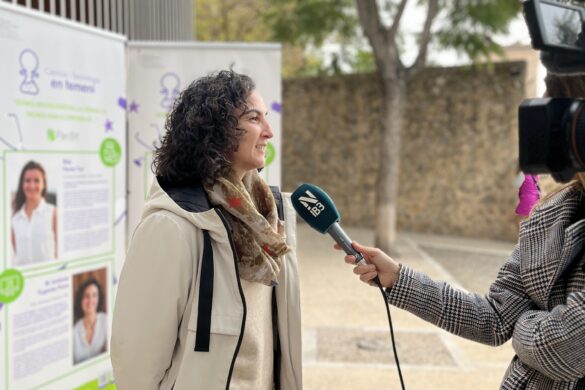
(268, 133)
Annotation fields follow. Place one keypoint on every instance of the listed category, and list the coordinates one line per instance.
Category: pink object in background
(528, 195)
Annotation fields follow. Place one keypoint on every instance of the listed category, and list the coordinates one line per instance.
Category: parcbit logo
(311, 203)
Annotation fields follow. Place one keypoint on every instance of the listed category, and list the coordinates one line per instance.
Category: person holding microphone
(537, 298)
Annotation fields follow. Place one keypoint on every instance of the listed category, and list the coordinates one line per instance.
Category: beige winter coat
(155, 315)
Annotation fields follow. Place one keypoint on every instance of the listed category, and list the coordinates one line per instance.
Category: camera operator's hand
(380, 264)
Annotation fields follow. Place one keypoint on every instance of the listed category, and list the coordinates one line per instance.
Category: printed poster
(63, 211)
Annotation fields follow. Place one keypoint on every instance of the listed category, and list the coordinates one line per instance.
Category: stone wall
(459, 147)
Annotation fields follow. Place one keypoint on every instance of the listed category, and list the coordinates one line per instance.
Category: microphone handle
(344, 242)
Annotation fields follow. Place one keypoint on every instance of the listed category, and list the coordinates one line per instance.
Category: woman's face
(252, 143)
(33, 184)
(90, 299)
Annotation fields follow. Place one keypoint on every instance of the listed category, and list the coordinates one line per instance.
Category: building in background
(152, 20)
(535, 71)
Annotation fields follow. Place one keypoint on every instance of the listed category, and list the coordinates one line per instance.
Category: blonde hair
(578, 183)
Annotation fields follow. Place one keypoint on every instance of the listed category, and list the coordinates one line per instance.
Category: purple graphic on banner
(29, 66)
(122, 103)
(1, 305)
(143, 143)
(134, 106)
(276, 107)
(155, 143)
(18, 130)
(109, 125)
(138, 161)
(170, 85)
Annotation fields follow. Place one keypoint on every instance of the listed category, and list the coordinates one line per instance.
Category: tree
(230, 20)
(305, 26)
(466, 25)
(246, 21)
(471, 25)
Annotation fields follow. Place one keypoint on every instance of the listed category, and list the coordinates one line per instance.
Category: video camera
(552, 130)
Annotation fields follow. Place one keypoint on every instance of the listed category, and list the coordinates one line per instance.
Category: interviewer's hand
(380, 264)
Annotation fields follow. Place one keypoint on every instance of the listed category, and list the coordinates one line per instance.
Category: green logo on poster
(270, 154)
(51, 135)
(110, 152)
(92, 385)
(11, 285)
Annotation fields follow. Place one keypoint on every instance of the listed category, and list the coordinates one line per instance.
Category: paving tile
(374, 347)
(345, 339)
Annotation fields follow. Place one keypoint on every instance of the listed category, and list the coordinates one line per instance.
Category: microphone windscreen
(315, 207)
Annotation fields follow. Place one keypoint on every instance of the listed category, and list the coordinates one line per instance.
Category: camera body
(552, 130)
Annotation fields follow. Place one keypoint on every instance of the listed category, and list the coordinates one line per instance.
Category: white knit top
(34, 237)
(254, 365)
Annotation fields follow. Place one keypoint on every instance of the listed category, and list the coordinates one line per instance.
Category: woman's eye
(254, 119)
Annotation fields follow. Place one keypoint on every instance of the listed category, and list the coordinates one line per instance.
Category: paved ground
(346, 344)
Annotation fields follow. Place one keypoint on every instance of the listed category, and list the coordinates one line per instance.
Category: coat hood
(187, 201)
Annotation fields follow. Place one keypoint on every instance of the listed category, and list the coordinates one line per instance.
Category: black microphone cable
(379, 284)
(317, 209)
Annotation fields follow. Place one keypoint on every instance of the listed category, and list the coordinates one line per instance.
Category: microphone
(317, 209)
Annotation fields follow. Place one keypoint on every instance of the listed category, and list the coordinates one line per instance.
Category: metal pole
(82, 11)
(107, 14)
(127, 18)
(73, 8)
(95, 16)
(114, 15)
(120, 15)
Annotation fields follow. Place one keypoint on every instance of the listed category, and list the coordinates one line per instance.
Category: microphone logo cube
(311, 203)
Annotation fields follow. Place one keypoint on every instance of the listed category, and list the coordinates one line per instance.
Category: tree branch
(370, 20)
(396, 22)
(385, 49)
(421, 58)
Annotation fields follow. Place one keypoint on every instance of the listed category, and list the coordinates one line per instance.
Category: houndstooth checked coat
(537, 299)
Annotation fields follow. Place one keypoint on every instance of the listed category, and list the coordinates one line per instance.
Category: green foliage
(469, 25)
(364, 62)
(310, 21)
(298, 62)
(306, 27)
(245, 21)
(231, 20)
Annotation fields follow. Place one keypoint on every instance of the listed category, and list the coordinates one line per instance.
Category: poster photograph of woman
(33, 219)
(90, 319)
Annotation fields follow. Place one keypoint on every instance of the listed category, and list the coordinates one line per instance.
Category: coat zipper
(228, 230)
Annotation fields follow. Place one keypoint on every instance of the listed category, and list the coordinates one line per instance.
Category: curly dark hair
(201, 130)
(77, 310)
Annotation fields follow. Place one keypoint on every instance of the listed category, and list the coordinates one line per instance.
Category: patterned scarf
(257, 232)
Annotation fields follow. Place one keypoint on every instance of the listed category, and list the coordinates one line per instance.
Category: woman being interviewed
(209, 294)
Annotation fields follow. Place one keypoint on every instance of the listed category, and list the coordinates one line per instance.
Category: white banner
(63, 184)
(158, 72)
